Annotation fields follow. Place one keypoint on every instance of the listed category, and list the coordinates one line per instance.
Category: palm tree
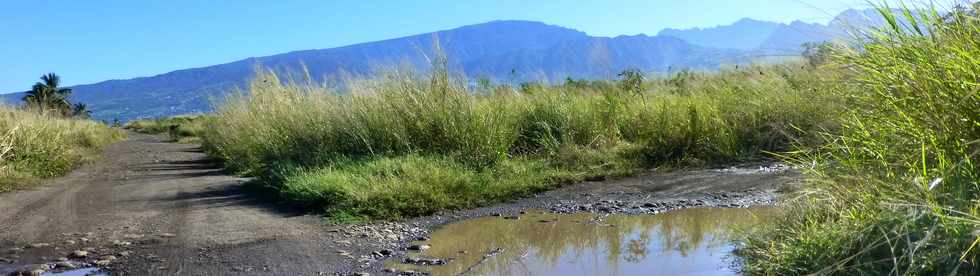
(81, 111)
(46, 95)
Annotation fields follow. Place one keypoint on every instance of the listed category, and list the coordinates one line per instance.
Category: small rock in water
(79, 254)
(37, 270)
(64, 265)
(385, 252)
(102, 263)
(39, 245)
(167, 235)
(418, 247)
(424, 261)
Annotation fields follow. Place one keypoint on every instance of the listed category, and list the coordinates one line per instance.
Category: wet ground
(694, 241)
(150, 207)
(92, 271)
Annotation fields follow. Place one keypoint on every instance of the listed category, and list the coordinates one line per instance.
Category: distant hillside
(501, 50)
(746, 34)
(770, 38)
(504, 51)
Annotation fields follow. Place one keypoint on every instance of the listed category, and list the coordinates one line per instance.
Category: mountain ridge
(501, 50)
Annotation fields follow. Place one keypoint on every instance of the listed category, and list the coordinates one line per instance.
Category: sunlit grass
(34, 145)
(895, 192)
(456, 147)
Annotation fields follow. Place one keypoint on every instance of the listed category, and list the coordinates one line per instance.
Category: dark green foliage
(47, 96)
(631, 80)
(79, 110)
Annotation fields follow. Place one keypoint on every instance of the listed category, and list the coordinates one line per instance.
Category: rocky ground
(155, 208)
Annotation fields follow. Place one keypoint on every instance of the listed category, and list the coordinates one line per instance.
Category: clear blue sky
(91, 41)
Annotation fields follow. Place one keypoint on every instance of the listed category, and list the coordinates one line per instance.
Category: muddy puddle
(78, 272)
(684, 242)
(47, 270)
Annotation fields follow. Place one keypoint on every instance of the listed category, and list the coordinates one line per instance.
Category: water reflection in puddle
(684, 242)
(89, 271)
(78, 272)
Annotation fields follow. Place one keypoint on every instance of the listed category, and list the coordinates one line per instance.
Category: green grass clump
(184, 129)
(35, 145)
(456, 148)
(895, 191)
(411, 185)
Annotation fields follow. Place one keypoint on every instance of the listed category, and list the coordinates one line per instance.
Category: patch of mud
(684, 242)
(645, 195)
(642, 204)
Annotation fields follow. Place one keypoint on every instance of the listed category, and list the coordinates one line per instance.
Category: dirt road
(150, 207)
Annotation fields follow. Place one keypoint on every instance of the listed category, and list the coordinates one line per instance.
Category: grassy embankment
(181, 129)
(406, 145)
(34, 145)
(895, 192)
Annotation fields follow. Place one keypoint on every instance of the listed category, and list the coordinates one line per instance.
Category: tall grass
(34, 145)
(896, 190)
(411, 144)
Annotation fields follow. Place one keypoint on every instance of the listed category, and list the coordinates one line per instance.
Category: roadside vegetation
(408, 144)
(181, 129)
(895, 191)
(48, 136)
